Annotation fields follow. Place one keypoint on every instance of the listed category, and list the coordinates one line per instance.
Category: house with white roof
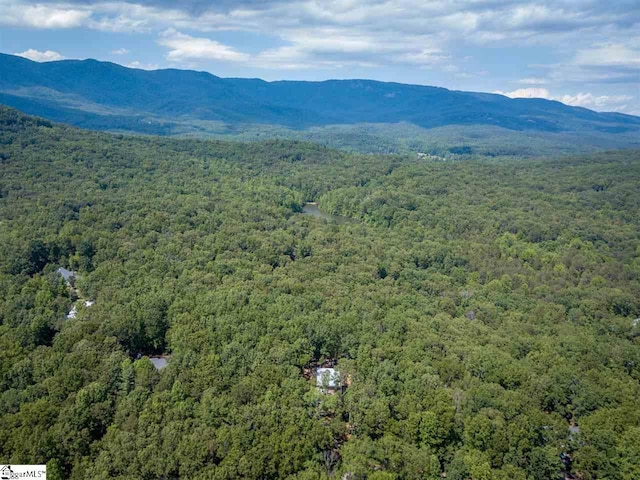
(328, 380)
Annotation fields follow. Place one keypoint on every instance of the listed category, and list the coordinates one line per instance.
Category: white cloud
(291, 57)
(142, 66)
(185, 47)
(609, 103)
(310, 48)
(533, 81)
(609, 55)
(114, 16)
(526, 93)
(119, 23)
(600, 103)
(120, 51)
(427, 57)
(352, 32)
(598, 63)
(37, 56)
(42, 16)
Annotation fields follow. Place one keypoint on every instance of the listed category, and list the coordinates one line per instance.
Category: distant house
(159, 361)
(428, 156)
(73, 313)
(68, 275)
(328, 379)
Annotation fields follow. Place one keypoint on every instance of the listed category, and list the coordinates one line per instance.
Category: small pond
(311, 208)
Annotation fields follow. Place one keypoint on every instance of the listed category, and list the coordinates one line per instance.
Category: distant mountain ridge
(108, 96)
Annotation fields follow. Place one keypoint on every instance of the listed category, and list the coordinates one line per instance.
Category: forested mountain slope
(107, 96)
(485, 313)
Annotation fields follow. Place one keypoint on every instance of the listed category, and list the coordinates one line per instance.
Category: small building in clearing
(328, 379)
(73, 313)
(159, 361)
(67, 275)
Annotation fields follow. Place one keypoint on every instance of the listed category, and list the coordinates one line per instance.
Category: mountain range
(107, 96)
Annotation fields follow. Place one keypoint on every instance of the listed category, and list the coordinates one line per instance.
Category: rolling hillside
(107, 96)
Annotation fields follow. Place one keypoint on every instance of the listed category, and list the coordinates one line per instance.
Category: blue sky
(581, 52)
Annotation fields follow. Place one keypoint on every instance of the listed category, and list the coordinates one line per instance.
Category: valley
(356, 115)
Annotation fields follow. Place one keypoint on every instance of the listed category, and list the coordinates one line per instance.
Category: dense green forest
(451, 141)
(485, 312)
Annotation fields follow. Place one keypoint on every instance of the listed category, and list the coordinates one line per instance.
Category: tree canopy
(485, 312)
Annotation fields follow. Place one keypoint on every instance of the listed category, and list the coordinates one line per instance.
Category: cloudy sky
(581, 52)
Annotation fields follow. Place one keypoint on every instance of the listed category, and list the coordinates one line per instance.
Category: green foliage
(478, 309)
